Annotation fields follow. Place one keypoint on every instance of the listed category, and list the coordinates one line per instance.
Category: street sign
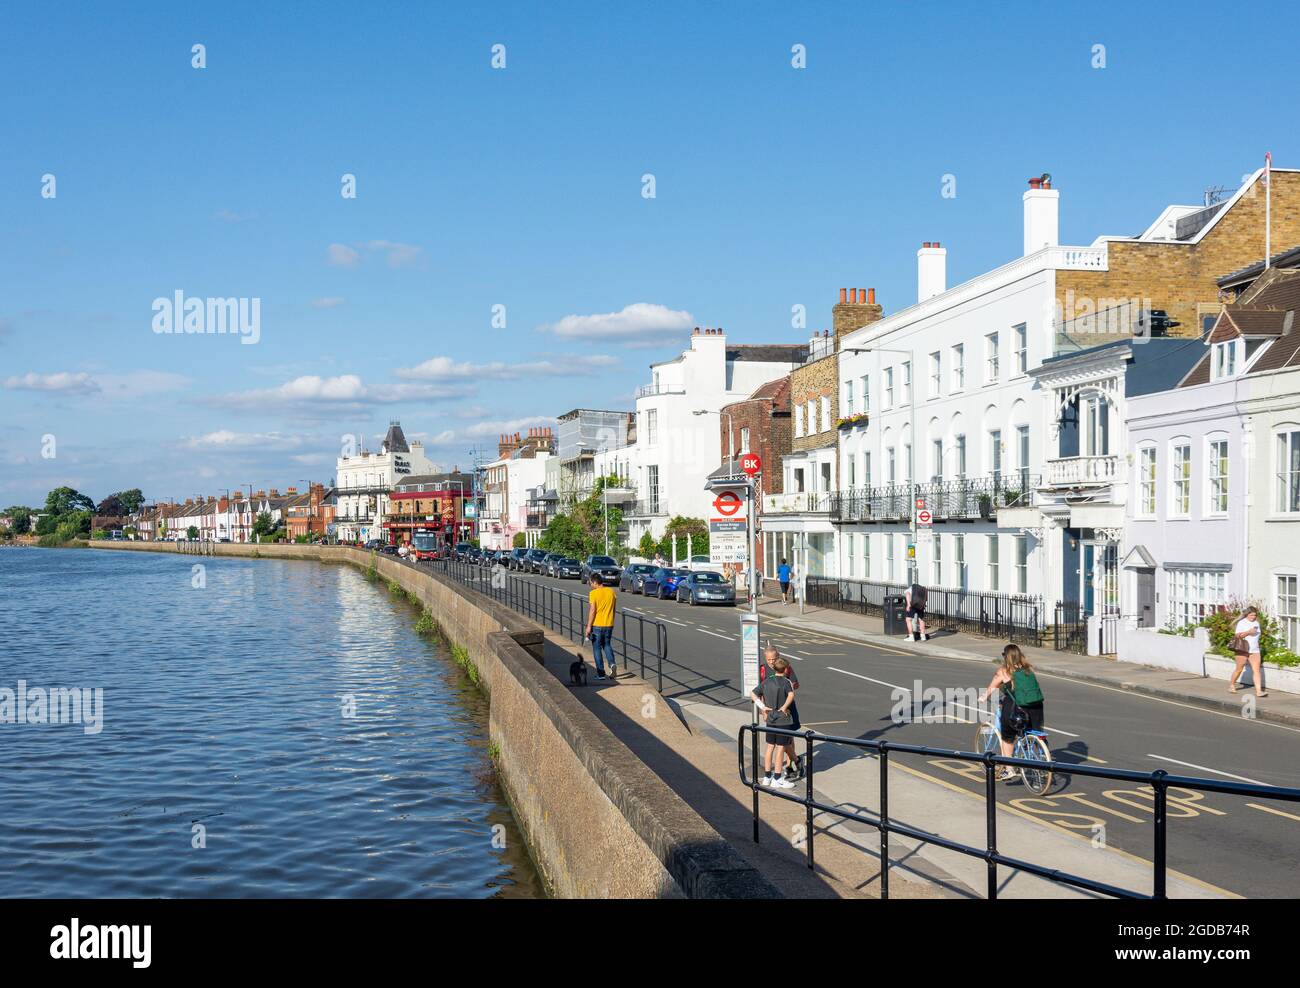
(728, 503)
(924, 517)
(749, 649)
(751, 463)
(728, 542)
(911, 550)
(920, 503)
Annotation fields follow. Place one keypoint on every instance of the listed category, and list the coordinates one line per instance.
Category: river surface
(269, 728)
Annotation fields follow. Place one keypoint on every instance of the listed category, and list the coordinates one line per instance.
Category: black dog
(578, 673)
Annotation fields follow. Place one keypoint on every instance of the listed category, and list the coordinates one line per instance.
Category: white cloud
(641, 323)
(343, 391)
(399, 255)
(445, 368)
(328, 302)
(343, 256)
(226, 439)
(138, 384)
(64, 382)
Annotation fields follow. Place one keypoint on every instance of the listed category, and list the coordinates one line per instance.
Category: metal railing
(965, 498)
(1159, 782)
(637, 637)
(1015, 617)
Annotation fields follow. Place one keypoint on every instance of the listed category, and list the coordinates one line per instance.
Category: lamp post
(914, 564)
(750, 491)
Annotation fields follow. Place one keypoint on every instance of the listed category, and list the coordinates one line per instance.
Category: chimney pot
(844, 295)
(1035, 183)
(853, 296)
(871, 296)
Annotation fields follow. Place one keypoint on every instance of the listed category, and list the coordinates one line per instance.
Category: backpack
(918, 595)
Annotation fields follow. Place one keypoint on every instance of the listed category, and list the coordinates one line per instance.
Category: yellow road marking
(1269, 809)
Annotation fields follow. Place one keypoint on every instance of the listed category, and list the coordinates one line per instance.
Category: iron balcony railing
(637, 637)
(962, 499)
(644, 509)
(1159, 782)
(650, 390)
(1015, 617)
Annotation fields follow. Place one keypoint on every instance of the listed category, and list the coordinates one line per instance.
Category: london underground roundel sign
(727, 503)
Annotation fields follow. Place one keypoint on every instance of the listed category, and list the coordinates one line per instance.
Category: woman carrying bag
(1245, 645)
(1022, 701)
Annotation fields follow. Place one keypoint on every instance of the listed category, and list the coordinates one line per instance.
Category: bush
(1222, 625)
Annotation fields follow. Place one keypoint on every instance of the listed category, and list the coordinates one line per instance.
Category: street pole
(753, 546)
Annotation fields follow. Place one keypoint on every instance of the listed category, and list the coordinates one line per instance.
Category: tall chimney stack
(1042, 214)
(931, 271)
(857, 308)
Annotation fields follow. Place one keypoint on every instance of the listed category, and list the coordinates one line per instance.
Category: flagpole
(1268, 208)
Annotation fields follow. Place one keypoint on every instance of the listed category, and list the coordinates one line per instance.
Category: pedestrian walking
(1245, 645)
(914, 598)
(783, 574)
(600, 625)
(774, 696)
(794, 768)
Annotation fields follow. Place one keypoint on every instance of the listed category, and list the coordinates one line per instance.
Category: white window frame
(848, 397)
(1020, 341)
(798, 421)
(1180, 478)
(1217, 486)
(1225, 358)
(652, 426)
(1022, 563)
(992, 364)
(961, 573)
(1193, 594)
(907, 382)
(959, 367)
(744, 439)
(1286, 469)
(1286, 606)
(888, 401)
(827, 424)
(1148, 482)
(866, 392)
(993, 562)
(936, 560)
(936, 374)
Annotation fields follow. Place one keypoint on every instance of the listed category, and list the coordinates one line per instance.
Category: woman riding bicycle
(1020, 691)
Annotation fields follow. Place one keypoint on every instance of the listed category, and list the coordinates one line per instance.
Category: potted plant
(986, 506)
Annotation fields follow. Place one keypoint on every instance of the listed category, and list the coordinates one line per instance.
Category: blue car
(662, 583)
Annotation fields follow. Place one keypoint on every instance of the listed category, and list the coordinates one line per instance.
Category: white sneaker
(767, 781)
(783, 783)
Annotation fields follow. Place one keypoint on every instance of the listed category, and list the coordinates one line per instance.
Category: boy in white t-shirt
(1248, 631)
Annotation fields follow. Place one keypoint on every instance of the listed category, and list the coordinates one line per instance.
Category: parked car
(633, 575)
(604, 566)
(374, 544)
(517, 559)
(567, 568)
(705, 588)
(548, 563)
(388, 550)
(535, 558)
(662, 583)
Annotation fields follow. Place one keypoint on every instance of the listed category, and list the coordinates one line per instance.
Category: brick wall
(812, 382)
(769, 435)
(1175, 277)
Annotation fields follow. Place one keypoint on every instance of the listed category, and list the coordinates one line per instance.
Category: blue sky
(522, 187)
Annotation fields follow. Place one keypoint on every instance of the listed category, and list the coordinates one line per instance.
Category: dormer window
(1224, 359)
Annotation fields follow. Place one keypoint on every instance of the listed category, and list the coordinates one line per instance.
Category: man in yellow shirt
(600, 625)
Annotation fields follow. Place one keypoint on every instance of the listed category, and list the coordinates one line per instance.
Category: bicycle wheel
(1033, 748)
(986, 740)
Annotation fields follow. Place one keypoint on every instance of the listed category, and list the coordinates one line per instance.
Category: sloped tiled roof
(1267, 309)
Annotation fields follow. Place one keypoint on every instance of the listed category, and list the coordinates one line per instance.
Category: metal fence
(964, 499)
(638, 638)
(1159, 781)
(1070, 629)
(1015, 617)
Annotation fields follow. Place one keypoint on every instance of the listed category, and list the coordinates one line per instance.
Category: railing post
(808, 798)
(753, 774)
(884, 820)
(1161, 793)
(991, 824)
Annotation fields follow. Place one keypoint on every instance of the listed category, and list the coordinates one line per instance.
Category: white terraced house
(365, 480)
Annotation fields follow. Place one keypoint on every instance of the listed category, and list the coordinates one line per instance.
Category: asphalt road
(1245, 846)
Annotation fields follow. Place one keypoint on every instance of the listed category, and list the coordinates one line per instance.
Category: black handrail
(637, 637)
(1159, 780)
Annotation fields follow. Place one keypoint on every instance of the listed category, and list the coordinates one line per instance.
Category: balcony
(1083, 471)
(963, 499)
(800, 502)
(644, 509)
(650, 390)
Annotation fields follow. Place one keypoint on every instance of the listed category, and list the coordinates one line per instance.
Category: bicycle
(1030, 746)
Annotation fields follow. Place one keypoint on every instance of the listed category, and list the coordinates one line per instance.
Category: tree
(263, 525)
(648, 546)
(690, 534)
(520, 540)
(581, 532)
(63, 500)
(131, 500)
(191, 533)
(20, 519)
(110, 507)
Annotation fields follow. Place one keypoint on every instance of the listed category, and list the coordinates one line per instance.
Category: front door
(1087, 576)
(1146, 598)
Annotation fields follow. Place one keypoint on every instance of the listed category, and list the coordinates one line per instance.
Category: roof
(395, 439)
(777, 392)
(1155, 363)
(1268, 309)
(1288, 258)
(771, 353)
(437, 478)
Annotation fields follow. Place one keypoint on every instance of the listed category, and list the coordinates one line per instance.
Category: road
(848, 688)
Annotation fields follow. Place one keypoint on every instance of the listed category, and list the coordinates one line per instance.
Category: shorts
(785, 586)
(916, 611)
(1034, 710)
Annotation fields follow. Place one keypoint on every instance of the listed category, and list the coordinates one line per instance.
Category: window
(1022, 455)
(991, 358)
(889, 556)
(848, 398)
(853, 544)
(652, 488)
(959, 561)
(851, 463)
(1022, 564)
(813, 426)
(866, 557)
(1019, 341)
(866, 393)
(866, 469)
(995, 455)
(1288, 471)
(1224, 359)
(1181, 480)
(907, 461)
(958, 367)
(960, 449)
(936, 460)
(992, 563)
(1288, 609)
(889, 388)
(744, 439)
(936, 374)
(907, 380)
(891, 474)
(1193, 594)
(652, 426)
(1216, 468)
(1147, 481)
(936, 560)
(798, 421)
(826, 414)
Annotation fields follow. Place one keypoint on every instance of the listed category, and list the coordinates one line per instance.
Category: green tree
(46, 524)
(648, 546)
(191, 533)
(520, 540)
(20, 519)
(131, 500)
(690, 534)
(263, 524)
(63, 500)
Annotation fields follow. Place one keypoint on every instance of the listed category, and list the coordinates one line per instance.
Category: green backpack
(1025, 688)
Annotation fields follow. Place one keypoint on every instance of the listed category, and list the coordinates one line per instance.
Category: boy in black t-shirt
(774, 696)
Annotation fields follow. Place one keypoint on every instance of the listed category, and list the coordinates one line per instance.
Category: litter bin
(895, 614)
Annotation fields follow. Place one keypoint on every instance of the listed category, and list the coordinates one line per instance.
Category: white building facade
(364, 481)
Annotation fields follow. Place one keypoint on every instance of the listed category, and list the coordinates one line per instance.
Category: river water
(269, 728)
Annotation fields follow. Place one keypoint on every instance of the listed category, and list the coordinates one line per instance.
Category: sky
(502, 261)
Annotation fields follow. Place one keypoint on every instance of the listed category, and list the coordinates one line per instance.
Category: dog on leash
(578, 673)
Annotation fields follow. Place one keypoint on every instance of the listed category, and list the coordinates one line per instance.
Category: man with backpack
(914, 601)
